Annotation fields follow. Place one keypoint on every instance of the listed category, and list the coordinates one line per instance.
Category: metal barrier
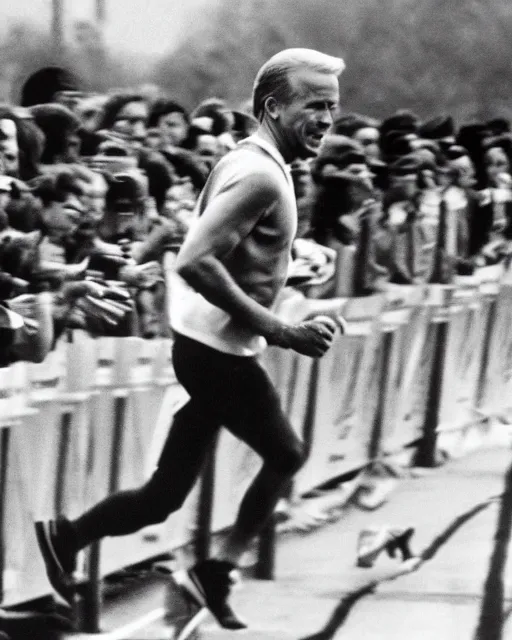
(425, 365)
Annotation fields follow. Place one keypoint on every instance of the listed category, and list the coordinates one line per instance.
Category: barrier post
(439, 298)
(385, 359)
(62, 461)
(4, 463)
(490, 292)
(92, 592)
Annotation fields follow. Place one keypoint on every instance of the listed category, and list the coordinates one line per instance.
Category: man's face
(153, 139)
(94, 197)
(404, 187)
(306, 119)
(173, 128)
(369, 137)
(131, 123)
(62, 217)
(464, 172)
(207, 148)
(9, 147)
(496, 163)
(73, 145)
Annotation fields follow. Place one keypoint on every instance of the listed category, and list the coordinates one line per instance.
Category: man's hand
(310, 338)
(142, 276)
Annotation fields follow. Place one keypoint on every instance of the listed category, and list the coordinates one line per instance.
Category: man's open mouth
(316, 138)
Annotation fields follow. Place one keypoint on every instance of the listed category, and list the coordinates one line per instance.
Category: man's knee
(161, 500)
(290, 461)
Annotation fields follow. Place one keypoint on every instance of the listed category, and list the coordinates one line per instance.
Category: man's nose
(139, 131)
(325, 118)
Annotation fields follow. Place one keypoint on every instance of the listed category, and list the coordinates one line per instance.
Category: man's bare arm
(227, 220)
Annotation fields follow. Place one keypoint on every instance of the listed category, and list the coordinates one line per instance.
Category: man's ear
(272, 107)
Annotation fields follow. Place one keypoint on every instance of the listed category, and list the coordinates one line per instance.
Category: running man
(231, 268)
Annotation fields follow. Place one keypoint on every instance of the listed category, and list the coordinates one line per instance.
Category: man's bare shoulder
(253, 166)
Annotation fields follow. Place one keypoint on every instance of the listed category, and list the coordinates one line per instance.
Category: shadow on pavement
(492, 616)
(345, 606)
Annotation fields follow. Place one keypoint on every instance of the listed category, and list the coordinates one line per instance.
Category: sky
(151, 26)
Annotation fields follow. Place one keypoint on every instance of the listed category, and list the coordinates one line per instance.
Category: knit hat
(403, 120)
(351, 163)
(396, 143)
(455, 152)
(56, 122)
(333, 148)
(498, 126)
(348, 124)
(441, 126)
(41, 86)
(471, 136)
(502, 141)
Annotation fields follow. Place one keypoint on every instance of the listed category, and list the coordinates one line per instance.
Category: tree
(426, 55)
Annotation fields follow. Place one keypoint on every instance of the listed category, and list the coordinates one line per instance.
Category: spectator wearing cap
(403, 180)
(397, 143)
(477, 200)
(402, 120)
(60, 127)
(466, 216)
(496, 228)
(497, 160)
(498, 125)
(363, 130)
(441, 129)
(472, 137)
(345, 213)
(406, 240)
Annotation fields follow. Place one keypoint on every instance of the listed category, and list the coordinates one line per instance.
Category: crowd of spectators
(95, 189)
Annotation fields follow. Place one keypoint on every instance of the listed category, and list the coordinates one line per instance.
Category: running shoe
(209, 584)
(58, 555)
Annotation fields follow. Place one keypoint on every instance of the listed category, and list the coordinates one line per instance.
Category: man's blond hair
(272, 80)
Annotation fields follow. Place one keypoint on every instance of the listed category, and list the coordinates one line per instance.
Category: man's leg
(164, 493)
(259, 421)
(238, 391)
(128, 511)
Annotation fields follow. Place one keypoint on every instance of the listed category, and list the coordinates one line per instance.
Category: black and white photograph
(255, 320)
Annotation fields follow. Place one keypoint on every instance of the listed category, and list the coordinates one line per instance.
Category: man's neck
(272, 136)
